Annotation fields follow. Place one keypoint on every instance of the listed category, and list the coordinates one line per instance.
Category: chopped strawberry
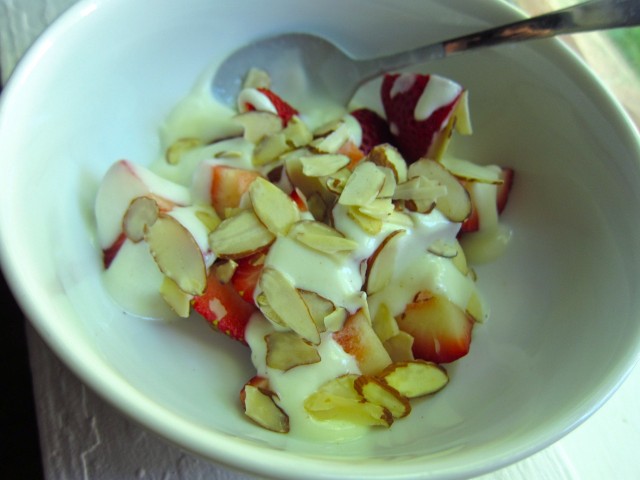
(375, 129)
(472, 223)
(401, 94)
(441, 330)
(109, 254)
(223, 307)
(352, 151)
(300, 199)
(228, 184)
(247, 273)
(283, 109)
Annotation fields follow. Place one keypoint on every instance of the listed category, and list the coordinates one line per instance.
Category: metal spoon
(294, 59)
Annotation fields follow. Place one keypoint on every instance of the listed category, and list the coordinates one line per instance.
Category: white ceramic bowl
(564, 331)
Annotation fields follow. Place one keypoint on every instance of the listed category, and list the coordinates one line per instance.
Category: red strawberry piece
(472, 223)
(300, 199)
(375, 129)
(109, 253)
(247, 273)
(228, 184)
(441, 330)
(283, 109)
(223, 307)
(400, 95)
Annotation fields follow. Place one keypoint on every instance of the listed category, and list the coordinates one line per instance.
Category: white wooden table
(83, 437)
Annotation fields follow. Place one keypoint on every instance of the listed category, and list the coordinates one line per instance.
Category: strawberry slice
(441, 330)
(228, 184)
(418, 108)
(375, 129)
(283, 109)
(223, 307)
(247, 273)
(472, 223)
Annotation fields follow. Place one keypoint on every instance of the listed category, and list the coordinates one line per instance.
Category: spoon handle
(583, 17)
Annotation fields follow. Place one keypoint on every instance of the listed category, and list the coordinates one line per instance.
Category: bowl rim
(144, 410)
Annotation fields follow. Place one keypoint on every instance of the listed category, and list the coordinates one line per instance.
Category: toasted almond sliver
(389, 185)
(174, 153)
(321, 165)
(400, 347)
(363, 185)
(380, 208)
(270, 148)
(258, 124)
(333, 141)
(288, 304)
(260, 406)
(380, 266)
(286, 350)
(321, 237)
(388, 156)
(370, 225)
(419, 188)
(179, 301)
(141, 214)
(224, 270)
(443, 249)
(384, 324)
(240, 235)
(335, 320)
(415, 378)
(297, 133)
(318, 306)
(379, 392)
(467, 170)
(272, 206)
(268, 312)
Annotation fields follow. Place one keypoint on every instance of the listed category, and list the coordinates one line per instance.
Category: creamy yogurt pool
(329, 241)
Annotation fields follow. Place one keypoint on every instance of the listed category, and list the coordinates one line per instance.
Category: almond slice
(324, 164)
(419, 188)
(257, 78)
(321, 237)
(208, 216)
(224, 270)
(332, 142)
(363, 185)
(400, 347)
(388, 156)
(177, 254)
(286, 350)
(370, 225)
(380, 208)
(380, 265)
(240, 235)
(335, 320)
(297, 133)
(269, 313)
(384, 324)
(270, 148)
(258, 124)
(470, 171)
(178, 301)
(287, 303)
(338, 400)
(260, 406)
(379, 392)
(174, 153)
(141, 214)
(389, 186)
(272, 206)
(456, 204)
(336, 182)
(444, 249)
(319, 307)
(415, 378)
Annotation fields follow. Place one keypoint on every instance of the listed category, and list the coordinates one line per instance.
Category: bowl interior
(565, 297)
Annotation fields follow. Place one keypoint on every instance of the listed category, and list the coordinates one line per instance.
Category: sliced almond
(177, 254)
(269, 313)
(380, 208)
(379, 392)
(324, 164)
(473, 172)
(456, 204)
(257, 78)
(240, 235)
(400, 347)
(297, 133)
(260, 406)
(335, 320)
(370, 225)
(363, 185)
(224, 270)
(208, 216)
(270, 148)
(272, 206)
(174, 153)
(384, 324)
(336, 182)
(389, 186)
(179, 301)
(288, 304)
(338, 400)
(421, 189)
(317, 206)
(141, 214)
(258, 124)
(380, 266)
(286, 350)
(332, 142)
(415, 378)
(321, 237)
(442, 248)
(386, 155)
(476, 307)
(460, 259)
(318, 306)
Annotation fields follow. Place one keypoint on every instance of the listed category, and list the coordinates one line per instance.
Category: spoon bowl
(301, 62)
